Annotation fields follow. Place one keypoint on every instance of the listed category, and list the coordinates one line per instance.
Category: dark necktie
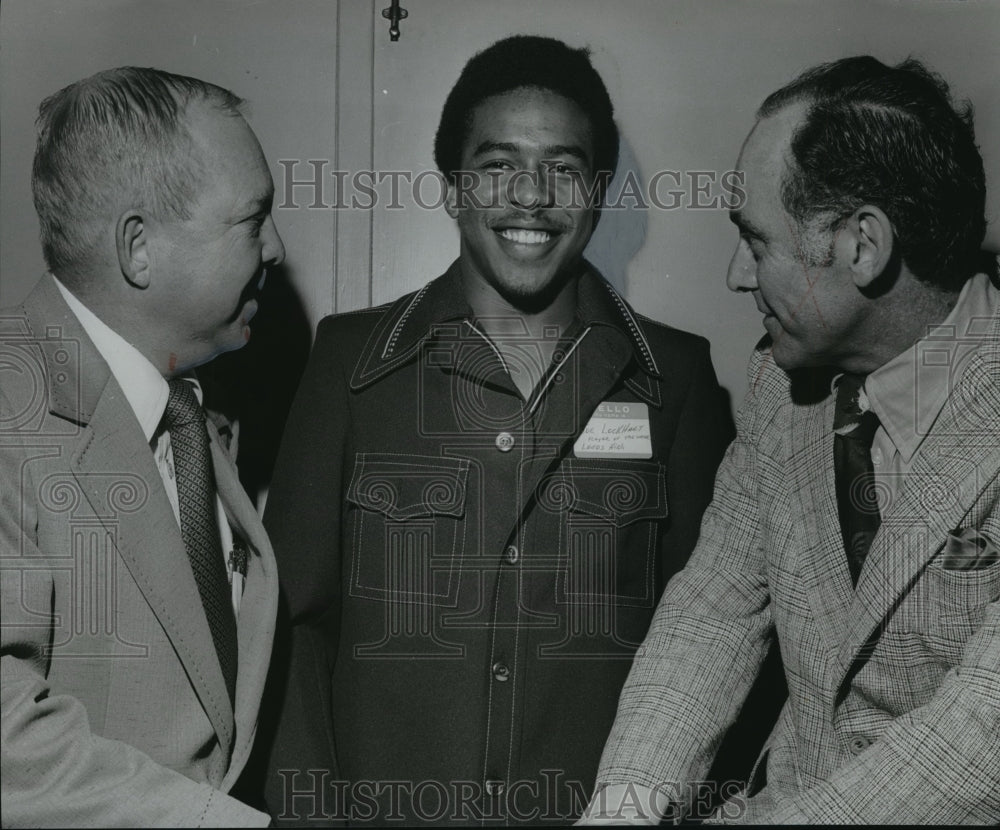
(855, 476)
(199, 526)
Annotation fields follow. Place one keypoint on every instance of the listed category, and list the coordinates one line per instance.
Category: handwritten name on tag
(616, 430)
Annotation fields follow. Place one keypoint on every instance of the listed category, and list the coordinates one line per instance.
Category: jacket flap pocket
(403, 487)
(617, 492)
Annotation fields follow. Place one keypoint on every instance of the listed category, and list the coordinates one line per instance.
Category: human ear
(451, 198)
(131, 242)
(872, 241)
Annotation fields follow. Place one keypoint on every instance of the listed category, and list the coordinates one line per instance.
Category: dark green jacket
(466, 594)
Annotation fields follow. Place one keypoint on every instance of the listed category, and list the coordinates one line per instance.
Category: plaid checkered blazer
(893, 712)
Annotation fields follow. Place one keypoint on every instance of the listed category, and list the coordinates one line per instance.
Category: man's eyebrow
(495, 147)
(567, 150)
(257, 207)
(745, 226)
(551, 150)
(261, 203)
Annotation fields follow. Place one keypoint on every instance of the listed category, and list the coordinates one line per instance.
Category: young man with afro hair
(485, 485)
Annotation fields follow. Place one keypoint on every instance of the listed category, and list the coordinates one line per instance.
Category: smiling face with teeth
(527, 164)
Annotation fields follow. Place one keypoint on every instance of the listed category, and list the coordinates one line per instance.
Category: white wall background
(685, 76)
(280, 56)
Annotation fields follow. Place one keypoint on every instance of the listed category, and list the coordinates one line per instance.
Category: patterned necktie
(199, 525)
(855, 476)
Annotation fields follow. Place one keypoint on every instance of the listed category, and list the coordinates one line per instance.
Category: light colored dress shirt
(909, 392)
(147, 391)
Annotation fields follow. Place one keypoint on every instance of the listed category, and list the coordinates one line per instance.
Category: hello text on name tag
(616, 430)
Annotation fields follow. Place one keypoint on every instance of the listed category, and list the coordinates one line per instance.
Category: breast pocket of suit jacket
(947, 603)
(954, 592)
(609, 516)
(407, 530)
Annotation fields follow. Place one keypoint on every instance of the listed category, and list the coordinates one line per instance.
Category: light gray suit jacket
(893, 712)
(114, 707)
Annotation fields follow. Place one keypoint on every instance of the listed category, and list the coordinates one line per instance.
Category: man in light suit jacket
(139, 589)
(858, 529)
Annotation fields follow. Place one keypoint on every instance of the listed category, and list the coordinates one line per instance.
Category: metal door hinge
(394, 14)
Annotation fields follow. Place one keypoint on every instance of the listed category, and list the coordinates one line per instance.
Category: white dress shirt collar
(144, 387)
(909, 392)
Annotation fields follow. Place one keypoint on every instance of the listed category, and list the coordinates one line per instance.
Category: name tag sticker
(616, 430)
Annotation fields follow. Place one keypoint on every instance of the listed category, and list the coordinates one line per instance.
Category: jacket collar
(75, 373)
(414, 319)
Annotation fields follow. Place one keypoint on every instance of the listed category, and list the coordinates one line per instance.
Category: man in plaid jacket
(859, 241)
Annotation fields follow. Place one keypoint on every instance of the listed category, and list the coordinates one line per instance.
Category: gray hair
(115, 140)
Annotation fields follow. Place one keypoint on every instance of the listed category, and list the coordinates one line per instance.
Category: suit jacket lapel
(258, 608)
(116, 472)
(952, 468)
(149, 542)
(826, 579)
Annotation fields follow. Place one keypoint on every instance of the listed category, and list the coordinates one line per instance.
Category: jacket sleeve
(56, 771)
(707, 640)
(303, 517)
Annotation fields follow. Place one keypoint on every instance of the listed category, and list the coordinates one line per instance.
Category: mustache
(535, 221)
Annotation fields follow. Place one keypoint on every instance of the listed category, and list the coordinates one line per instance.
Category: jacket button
(494, 787)
(501, 672)
(859, 743)
(512, 554)
(505, 442)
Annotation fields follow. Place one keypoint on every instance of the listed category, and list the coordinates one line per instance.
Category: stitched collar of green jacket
(412, 319)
